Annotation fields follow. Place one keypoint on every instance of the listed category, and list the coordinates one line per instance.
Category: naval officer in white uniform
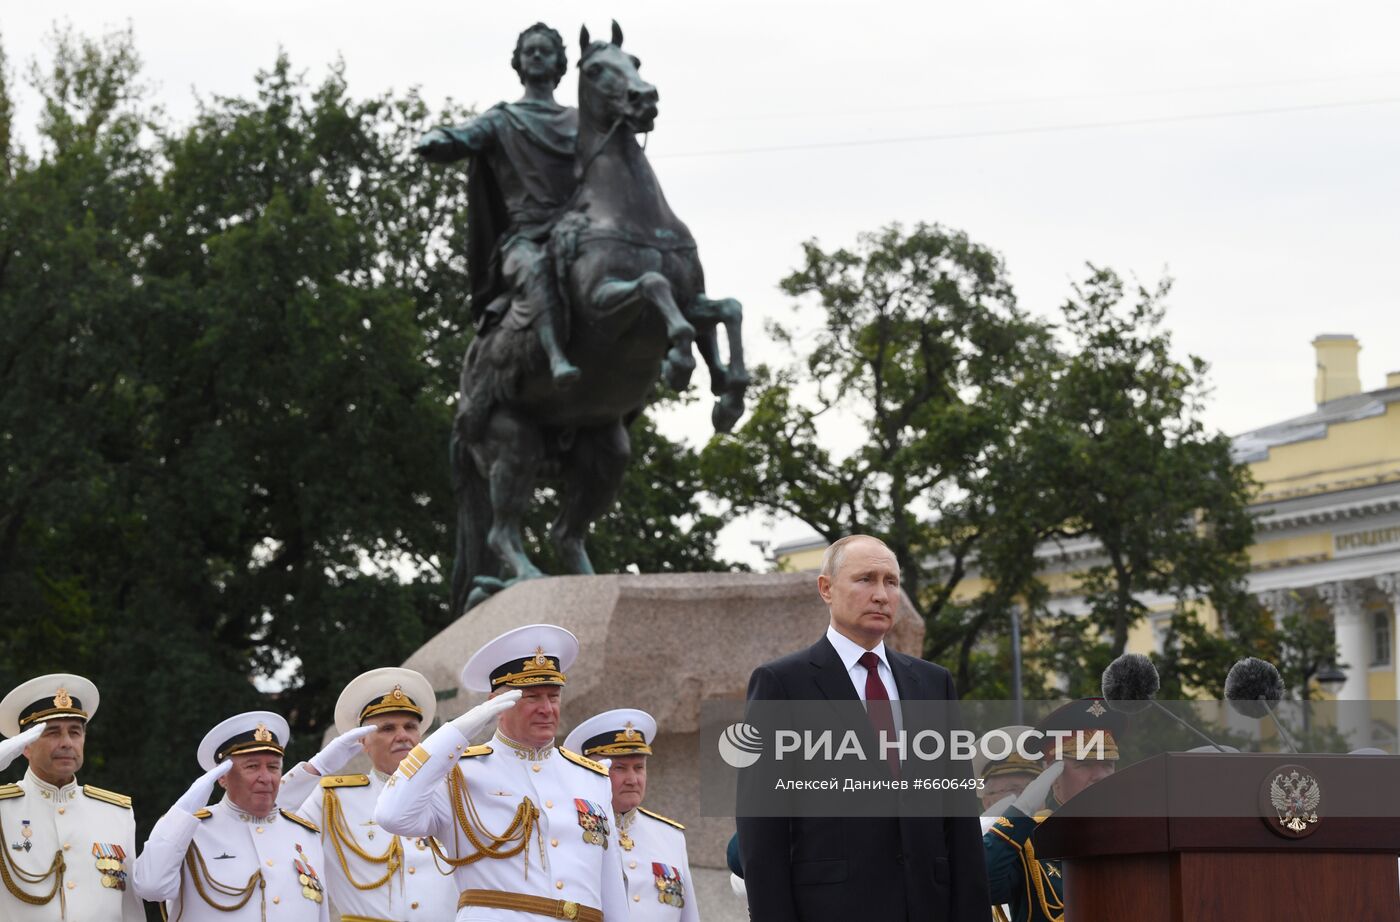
(654, 862)
(67, 847)
(242, 859)
(526, 826)
(372, 875)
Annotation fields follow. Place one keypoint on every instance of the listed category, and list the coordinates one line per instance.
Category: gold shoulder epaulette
(203, 814)
(301, 822)
(10, 790)
(586, 762)
(472, 751)
(344, 781)
(665, 819)
(107, 797)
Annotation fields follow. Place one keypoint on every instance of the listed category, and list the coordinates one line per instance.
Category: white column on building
(1389, 584)
(1346, 598)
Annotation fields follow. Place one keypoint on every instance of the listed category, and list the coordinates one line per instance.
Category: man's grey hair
(831, 560)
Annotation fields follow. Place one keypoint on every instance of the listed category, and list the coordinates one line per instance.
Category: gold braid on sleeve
(1035, 872)
(13, 875)
(342, 838)
(469, 822)
(204, 882)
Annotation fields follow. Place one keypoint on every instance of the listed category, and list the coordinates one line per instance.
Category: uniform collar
(625, 820)
(527, 752)
(377, 774)
(244, 816)
(49, 791)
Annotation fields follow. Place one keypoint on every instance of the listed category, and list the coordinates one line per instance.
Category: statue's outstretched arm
(445, 144)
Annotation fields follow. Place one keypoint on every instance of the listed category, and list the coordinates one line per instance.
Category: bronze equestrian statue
(586, 288)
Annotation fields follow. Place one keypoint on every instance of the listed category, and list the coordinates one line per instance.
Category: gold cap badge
(262, 734)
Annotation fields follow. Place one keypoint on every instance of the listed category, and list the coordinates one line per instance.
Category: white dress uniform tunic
(655, 864)
(225, 865)
(528, 832)
(567, 854)
(657, 868)
(372, 875)
(400, 881)
(68, 854)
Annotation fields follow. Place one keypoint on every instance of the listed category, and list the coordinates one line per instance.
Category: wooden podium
(1191, 837)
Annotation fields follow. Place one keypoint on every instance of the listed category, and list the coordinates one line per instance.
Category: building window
(1380, 629)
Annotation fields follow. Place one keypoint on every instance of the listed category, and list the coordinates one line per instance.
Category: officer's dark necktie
(878, 708)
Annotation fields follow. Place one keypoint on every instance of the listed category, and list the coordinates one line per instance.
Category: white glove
(11, 748)
(340, 750)
(197, 797)
(999, 808)
(736, 883)
(1032, 799)
(472, 722)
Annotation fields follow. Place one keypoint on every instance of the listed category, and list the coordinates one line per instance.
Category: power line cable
(1031, 129)
(1030, 100)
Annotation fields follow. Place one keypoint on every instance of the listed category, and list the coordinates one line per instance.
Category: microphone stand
(1282, 731)
(1161, 707)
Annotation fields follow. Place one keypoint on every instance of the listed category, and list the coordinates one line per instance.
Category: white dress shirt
(850, 653)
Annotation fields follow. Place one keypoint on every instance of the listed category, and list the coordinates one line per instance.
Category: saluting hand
(12, 747)
(197, 797)
(472, 722)
(1032, 799)
(340, 750)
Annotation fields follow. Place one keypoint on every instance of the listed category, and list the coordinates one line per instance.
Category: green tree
(927, 368)
(1135, 469)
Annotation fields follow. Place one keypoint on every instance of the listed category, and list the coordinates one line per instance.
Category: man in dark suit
(885, 868)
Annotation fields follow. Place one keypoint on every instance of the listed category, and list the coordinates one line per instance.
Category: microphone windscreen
(1129, 683)
(1250, 680)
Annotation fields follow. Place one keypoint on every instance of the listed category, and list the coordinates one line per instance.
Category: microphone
(1129, 684)
(1252, 688)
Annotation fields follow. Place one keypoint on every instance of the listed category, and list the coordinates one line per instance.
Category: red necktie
(877, 706)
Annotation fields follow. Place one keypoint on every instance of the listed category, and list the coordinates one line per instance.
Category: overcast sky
(1250, 149)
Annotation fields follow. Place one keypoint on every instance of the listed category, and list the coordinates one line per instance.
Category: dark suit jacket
(866, 868)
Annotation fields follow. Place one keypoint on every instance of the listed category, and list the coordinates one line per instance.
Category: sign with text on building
(1366, 541)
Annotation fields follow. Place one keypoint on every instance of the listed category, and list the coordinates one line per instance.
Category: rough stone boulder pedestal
(663, 643)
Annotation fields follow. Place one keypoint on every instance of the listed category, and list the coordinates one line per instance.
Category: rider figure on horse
(521, 175)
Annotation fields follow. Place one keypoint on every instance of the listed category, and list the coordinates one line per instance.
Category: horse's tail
(472, 557)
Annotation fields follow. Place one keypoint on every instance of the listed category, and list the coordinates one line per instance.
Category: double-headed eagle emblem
(1295, 797)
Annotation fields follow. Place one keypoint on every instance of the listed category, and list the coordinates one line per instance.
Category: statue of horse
(632, 291)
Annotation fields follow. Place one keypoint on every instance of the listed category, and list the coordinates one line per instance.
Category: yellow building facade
(1327, 514)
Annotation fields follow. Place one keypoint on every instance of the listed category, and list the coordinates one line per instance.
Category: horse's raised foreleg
(593, 472)
(653, 288)
(727, 381)
(511, 456)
